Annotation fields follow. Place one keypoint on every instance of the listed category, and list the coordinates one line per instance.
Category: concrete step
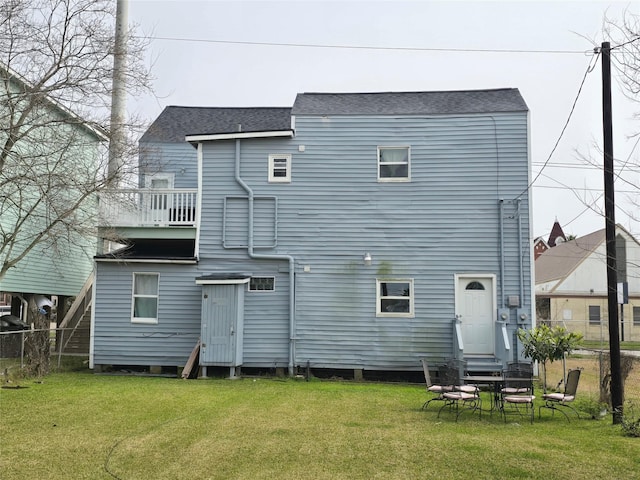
(479, 365)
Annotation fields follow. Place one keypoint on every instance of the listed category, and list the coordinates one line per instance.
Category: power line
(566, 124)
(369, 47)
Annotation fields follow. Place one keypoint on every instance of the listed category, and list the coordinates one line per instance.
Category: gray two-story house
(355, 231)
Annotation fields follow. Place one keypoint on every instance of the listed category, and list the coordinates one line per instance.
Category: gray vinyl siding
(266, 313)
(444, 221)
(177, 158)
(117, 341)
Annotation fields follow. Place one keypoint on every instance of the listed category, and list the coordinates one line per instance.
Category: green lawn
(84, 426)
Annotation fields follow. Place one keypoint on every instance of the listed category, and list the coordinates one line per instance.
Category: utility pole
(118, 93)
(610, 233)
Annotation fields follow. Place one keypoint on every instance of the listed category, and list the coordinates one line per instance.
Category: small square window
(262, 284)
(144, 307)
(279, 168)
(394, 298)
(394, 164)
(594, 314)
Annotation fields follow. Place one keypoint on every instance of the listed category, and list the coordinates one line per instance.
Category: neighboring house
(57, 266)
(353, 231)
(540, 245)
(571, 285)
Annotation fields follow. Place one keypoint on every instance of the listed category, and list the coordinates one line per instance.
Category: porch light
(367, 259)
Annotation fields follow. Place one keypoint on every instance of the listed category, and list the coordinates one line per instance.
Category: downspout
(502, 298)
(520, 253)
(257, 256)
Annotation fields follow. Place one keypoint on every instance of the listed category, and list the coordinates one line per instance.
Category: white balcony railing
(148, 207)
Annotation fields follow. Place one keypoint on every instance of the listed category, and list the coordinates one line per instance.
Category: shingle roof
(410, 103)
(559, 261)
(175, 122)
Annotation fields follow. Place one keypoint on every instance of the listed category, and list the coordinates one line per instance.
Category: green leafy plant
(543, 344)
(629, 423)
(593, 407)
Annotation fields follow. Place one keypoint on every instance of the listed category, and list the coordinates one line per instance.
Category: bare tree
(56, 70)
(624, 36)
(56, 64)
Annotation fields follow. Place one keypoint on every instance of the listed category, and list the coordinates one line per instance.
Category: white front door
(475, 309)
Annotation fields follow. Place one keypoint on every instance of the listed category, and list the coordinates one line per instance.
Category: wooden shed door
(475, 307)
(221, 325)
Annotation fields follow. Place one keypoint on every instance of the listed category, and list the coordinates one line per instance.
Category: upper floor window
(394, 298)
(144, 308)
(280, 168)
(594, 314)
(394, 164)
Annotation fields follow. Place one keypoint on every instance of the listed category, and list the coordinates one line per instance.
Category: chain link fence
(23, 348)
(594, 385)
(597, 330)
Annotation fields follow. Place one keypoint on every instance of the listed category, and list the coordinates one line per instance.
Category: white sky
(232, 74)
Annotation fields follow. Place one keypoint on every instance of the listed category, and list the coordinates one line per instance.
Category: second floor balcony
(146, 207)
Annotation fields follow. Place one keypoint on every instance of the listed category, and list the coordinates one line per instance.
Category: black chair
(560, 401)
(467, 396)
(517, 395)
(436, 389)
(516, 370)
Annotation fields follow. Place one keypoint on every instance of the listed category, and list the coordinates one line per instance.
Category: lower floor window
(144, 307)
(262, 284)
(394, 298)
(636, 316)
(594, 314)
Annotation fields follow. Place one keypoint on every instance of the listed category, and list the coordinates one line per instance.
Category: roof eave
(212, 137)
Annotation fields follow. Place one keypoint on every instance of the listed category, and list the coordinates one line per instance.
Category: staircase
(75, 329)
(477, 365)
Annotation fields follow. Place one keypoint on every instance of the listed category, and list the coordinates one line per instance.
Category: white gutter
(146, 260)
(238, 135)
(92, 328)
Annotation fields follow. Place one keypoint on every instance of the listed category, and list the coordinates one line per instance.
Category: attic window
(279, 168)
(393, 164)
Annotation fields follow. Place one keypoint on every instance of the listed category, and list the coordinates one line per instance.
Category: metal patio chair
(465, 396)
(559, 401)
(436, 389)
(517, 394)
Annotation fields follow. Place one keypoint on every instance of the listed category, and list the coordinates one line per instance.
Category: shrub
(629, 423)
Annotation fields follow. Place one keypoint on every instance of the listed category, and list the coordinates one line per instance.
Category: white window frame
(272, 168)
(408, 163)
(145, 320)
(379, 298)
(262, 291)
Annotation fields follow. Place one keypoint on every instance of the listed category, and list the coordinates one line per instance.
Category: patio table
(493, 381)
